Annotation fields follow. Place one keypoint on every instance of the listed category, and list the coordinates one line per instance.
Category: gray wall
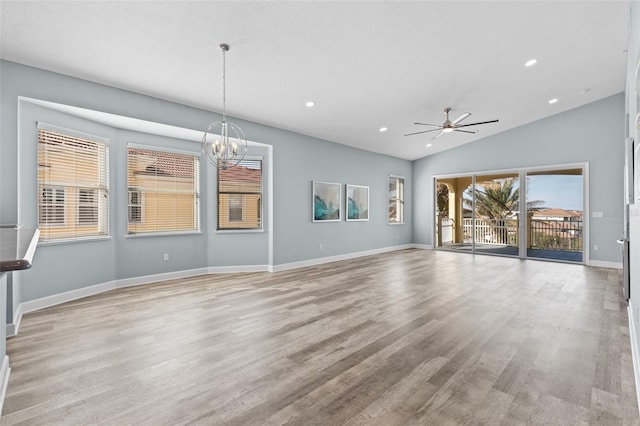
(297, 160)
(593, 133)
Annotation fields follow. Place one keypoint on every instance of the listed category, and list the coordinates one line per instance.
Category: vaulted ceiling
(366, 65)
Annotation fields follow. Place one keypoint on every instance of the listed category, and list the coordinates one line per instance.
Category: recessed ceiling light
(530, 62)
(310, 104)
(553, 101)
(383, 129)
(429, 145)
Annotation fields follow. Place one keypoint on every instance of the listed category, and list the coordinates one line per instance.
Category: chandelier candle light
(224, 143)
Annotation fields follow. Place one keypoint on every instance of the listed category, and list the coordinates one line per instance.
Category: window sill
(74, 241)
(163, 234)
(239, 231)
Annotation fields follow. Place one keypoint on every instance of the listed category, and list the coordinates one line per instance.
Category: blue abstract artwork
(326, 202)
(357, 202)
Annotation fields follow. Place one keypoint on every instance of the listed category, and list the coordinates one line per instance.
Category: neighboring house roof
(159, 163)
(557, 213)
(240, 174)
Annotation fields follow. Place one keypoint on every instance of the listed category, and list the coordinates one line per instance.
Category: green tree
(498, 199)
(442, 195)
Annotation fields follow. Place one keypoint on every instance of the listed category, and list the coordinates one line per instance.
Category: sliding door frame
(522, 174)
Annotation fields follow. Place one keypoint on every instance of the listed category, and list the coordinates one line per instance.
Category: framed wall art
(326, 201)
(357, 203)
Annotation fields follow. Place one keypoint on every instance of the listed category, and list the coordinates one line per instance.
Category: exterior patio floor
(505, 250)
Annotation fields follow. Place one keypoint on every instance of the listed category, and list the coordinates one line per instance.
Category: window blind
(163, 191)
(73, 193)
(240, 196)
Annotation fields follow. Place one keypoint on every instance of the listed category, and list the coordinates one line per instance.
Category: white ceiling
(365, 64)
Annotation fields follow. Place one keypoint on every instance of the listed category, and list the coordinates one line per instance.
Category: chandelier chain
(224, 85)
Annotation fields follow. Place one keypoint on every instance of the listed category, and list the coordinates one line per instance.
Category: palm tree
(498, 200)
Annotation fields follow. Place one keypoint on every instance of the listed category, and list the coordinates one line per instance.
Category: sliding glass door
(489, 214)
(497, 201)
(555, 214)
(453, 210)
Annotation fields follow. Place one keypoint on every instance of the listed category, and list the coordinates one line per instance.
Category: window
(235, 208)
(72, 185)
(164, 190)
(240, 196)
(51, 206)
(135, 207)
(87, 207)
(396, 200)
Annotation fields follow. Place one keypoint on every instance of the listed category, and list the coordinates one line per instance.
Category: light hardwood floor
(410, 337)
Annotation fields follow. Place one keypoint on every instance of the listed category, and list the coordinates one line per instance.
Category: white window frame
(102, 190)
(197, 193)
(399, 200)
(260, 212)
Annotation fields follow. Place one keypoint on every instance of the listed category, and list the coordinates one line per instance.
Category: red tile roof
(164, 163)
(240, 174)
(557, 213)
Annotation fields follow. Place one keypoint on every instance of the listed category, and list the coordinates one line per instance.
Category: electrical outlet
(166, 257)
(398, 237)
(595, 247)
(320, 246)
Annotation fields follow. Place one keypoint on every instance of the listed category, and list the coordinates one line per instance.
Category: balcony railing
(556, 234)
(491, 231)
(542, 234)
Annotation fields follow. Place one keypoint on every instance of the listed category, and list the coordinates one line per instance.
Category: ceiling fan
(450, 126)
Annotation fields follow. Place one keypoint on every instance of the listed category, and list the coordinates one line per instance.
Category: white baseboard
(604, 264)
(4, 380)
(67, 296)
(148, 279)
(12, 329)
(56, 299)
(422, 246)
(634, 352)
(337, 258)
(239, 268)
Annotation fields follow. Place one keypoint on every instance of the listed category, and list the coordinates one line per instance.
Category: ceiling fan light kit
(450, 126)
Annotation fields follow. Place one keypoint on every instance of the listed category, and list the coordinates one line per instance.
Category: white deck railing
(543, 234)
(491, 231)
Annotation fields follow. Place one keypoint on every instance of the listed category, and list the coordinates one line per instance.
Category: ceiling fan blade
(475, 124)
(436, 136)
(465, 131)
(424, 131)
(462, 117)
(427, 124)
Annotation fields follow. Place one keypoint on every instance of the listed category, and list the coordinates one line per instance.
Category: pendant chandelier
(224, 144)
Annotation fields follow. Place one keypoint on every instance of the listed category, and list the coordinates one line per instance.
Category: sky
(559, 191)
